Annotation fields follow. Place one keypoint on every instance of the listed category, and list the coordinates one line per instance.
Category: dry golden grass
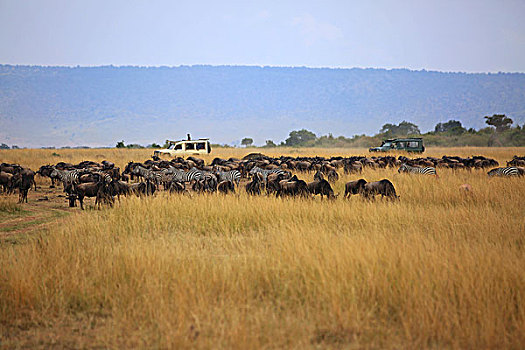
(438, 269)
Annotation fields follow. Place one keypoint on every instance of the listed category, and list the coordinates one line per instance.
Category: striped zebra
(204, 180)
(68, 177)
(507, 171)
(415, 170)
(105, 177)
(187, 176)
(266, 172)
(234, 176)
(148, 174)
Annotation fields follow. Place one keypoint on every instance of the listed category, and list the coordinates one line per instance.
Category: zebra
(507, 171)
(68, 177)
(203, 180)
(415, 170)
(187, 176)
(266, 172)
(105, 177)
(148, 174)
(233, 176)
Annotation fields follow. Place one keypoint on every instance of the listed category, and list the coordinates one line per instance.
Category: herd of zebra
(105, 181)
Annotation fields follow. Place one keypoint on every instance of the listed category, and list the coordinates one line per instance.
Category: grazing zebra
(148, 174)
(266, 172)
(68, 177)
(415, 170)
(187, 176)
(234, 176)
(507, 171)
(105, 177)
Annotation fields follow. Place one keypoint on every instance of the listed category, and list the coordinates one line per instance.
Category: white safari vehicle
(185, 147)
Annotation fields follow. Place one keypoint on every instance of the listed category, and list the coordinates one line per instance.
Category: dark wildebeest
(254, 187)
(332, 176)
(100, 190)
(176, 186)
(293, 187)
(46, 170)
(107, 165)
(383, 187)
(6, 180)
(226, 186)
(24, 180)
(272, 182)
(354, 187)
(318, 176)
(321, 187)
(353, 167)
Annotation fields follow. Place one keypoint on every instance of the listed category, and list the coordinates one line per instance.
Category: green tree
(300, 138)
(500, 121)
(247, 141)
(121, 144)
(402, 129)
(452, 127)
(4, 146)
(270, 143)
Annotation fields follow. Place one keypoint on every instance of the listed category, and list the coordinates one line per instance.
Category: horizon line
(258, 66)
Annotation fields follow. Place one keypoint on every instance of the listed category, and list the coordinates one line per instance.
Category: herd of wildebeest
(261, 174)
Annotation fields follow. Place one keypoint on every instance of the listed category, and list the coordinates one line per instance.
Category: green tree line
(499, 132)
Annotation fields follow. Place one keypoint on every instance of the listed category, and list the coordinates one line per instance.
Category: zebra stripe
(193, 174)
(233, 176)
(266, 172)
(507, 171)
(148, 174)
(415, 170)
(68, 177)
(104, 176)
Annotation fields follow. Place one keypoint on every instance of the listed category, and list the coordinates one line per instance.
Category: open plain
(440, 268)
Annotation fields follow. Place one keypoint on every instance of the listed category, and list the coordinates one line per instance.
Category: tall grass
(438, 269)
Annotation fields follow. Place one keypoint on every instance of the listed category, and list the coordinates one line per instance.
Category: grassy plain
(439, 269)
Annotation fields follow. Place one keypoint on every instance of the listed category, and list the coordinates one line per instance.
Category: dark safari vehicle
(409, 144)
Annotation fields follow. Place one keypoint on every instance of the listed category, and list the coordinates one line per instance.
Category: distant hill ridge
(56, 106)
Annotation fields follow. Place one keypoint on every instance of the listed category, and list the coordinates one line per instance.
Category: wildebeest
(254, 187)
(99, 190)
(272, 182)
(321, 187)
(292, 187)
(226, 186)
(6, 181)
(332, 176)
(46, 170)
(176, 186)
(354, 187)
(23, 181)
(353, 167)
(383, 187)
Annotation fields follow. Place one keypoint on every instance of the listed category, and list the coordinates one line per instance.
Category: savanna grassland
(440, 268)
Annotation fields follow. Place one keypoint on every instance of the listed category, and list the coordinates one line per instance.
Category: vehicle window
(190, 146)
(201, 145)
(400, 145)
(413, 144)
(179, 146)
(387, 144)
(172, 146)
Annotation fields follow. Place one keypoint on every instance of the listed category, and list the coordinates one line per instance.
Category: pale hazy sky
(470, 36)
